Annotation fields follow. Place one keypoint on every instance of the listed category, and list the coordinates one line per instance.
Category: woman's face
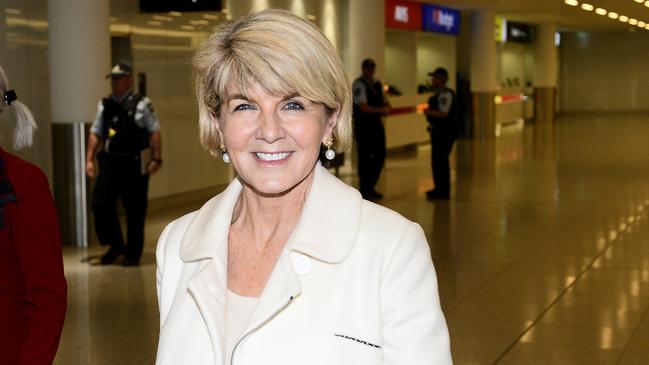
(273, 141)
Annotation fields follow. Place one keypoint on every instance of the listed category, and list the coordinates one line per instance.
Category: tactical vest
(450, 121)
(120, 132)
(374, 98)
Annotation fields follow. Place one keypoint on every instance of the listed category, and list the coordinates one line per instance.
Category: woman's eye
(293, 105)
(244, 107)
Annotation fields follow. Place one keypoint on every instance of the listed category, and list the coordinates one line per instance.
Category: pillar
(366, 36)
(79, 44)
(483, 74)
(545, 73)
(329, 21)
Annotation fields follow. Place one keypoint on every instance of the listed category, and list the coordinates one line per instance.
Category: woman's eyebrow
(237, 97)
(290, 96)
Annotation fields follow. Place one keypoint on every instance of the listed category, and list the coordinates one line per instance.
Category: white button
(302, 265)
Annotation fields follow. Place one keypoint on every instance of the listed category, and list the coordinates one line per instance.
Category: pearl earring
(224, 153)
(330, 154)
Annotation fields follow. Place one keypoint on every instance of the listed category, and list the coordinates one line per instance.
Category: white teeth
(272, 156)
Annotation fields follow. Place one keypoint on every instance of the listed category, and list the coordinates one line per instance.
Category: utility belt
(104, 156)
(111, 161)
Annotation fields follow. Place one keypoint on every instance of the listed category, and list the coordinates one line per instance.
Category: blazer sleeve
(163, 301)
(168, 264)
(35, 235)
(414, 328)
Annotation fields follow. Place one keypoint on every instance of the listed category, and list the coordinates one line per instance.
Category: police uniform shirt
(144, 116)
(360, 92)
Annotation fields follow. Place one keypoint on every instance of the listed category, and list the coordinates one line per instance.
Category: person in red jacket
(33, 289)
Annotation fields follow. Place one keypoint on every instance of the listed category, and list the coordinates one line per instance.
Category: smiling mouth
(272, 156)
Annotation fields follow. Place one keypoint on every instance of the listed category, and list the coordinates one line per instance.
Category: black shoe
(110, 256)
(130, 262)
(437, 195)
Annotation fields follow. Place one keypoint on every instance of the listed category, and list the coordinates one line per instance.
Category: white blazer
(355, 284)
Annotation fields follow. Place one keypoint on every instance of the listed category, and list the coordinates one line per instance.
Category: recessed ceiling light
(199, 22)
(646, 27)
(601, 11)
(646, 3)
(154, 22)
(187, 27)
(613, 15)
(633, 21)
(175, 13)
(639, 1)
(641, 24)
(573, 2)
(587, 7)
(623, 18)
(210, 17)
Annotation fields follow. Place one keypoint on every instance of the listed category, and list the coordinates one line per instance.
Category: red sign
(403, 14)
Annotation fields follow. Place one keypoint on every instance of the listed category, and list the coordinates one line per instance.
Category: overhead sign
(403, 14)
(441, 20)
(519, 32)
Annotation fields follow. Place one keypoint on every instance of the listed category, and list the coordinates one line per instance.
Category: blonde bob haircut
(282, 53)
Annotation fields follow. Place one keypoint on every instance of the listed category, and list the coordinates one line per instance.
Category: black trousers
(370, 140)
(442, 145)
(120, 178)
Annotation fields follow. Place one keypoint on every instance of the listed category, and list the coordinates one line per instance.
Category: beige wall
(401, 60)
(410, 56)
(515, 62)
(436, 50)
(23, 55)
(604, 71)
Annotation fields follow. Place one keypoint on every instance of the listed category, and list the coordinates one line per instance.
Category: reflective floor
(542, 252)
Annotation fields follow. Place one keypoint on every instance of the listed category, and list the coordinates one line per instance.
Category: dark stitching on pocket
(357, 340)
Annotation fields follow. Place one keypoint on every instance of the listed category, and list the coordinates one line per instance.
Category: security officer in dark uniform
(369, 106)
(441, 117)
(128, 133)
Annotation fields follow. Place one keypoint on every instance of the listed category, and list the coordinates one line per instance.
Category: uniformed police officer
(443, 131)
(369, 106)
(127, 133)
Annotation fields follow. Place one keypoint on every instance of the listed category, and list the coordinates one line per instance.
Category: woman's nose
(270, 128)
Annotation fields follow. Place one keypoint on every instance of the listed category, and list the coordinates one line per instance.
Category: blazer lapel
(282, 287)
(206, 241)
(209, 295)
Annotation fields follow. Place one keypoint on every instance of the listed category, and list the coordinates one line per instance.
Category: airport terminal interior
(541, 251)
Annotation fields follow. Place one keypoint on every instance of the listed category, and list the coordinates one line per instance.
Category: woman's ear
(216, 125)
(332, 120)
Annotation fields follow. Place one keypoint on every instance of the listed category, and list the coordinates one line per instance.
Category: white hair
(25, 123)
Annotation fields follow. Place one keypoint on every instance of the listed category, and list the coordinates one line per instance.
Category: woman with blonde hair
(289, 265)
(33, 291)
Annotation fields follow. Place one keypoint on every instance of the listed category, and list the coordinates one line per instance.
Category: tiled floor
(542, 253)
